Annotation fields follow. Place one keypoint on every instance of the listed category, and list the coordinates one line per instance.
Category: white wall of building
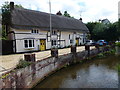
(21, 35)
(65, 38)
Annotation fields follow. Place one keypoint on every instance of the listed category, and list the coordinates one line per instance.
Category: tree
(6, 20)
(118, 29)
(99, 31)
(91, 26)
(66, 14)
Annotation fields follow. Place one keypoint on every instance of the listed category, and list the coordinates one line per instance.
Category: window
(54, 32)
(71, 41)
(29, 43)
(69, 36)
(54, 42)
(35, 31)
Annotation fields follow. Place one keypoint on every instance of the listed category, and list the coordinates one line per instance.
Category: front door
(77, 42)
(42, 44)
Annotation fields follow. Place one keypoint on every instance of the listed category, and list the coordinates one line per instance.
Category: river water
(96, 73)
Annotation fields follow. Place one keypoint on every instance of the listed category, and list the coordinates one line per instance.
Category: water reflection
(100, 73)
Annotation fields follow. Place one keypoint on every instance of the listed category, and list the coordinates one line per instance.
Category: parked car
(90, 42)
(101, 42)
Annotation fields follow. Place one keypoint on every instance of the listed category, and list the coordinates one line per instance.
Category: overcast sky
(90, 10)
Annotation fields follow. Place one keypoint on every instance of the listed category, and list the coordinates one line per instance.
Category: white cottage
(31, 30)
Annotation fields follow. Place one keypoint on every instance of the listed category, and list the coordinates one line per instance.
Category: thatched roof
(29, 19)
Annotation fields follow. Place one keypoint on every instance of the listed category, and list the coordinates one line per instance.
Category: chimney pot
(80, 19)
(11, 6)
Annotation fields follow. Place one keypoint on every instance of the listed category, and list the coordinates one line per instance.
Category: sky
(89, 10)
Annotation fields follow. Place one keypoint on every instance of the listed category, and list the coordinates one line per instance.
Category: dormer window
(35, 31)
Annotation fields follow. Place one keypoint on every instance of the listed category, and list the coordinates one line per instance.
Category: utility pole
(50, 23)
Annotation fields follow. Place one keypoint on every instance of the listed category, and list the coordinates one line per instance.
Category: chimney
(11, 6)
(80, 19)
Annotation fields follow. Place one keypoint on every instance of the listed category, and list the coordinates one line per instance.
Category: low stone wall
(31, 75)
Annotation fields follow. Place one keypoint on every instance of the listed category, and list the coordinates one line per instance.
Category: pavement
(9, 62)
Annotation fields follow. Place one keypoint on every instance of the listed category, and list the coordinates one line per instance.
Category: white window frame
(28, 43)
(35, 31)
(54, 42)
(54, 32)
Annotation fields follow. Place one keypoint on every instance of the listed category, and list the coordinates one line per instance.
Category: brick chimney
(11, 6)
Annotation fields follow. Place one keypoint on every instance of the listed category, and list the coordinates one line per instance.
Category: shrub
(100, 55)
(22, 64)
(118, 44)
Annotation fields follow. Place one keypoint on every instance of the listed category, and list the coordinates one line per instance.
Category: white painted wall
(21, 35)
(65, 36)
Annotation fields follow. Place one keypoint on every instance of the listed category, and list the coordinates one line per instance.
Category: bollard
(54, 52)
(74, 55)
(29, 57)
(87, 48)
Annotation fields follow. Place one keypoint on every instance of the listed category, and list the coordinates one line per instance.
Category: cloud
(91, 10)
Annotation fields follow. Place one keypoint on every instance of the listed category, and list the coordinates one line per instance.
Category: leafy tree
(119, 28)
(6, 20)
(91, 26)
(99, 31)
(110, 33)
(5, 13)
(66, 14)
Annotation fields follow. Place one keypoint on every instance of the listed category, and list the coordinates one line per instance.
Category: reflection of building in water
(119, 10)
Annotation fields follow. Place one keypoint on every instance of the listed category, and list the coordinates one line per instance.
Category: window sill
(29, 48)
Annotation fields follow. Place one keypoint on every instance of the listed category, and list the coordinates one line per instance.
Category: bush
(22, 64)
(118, 44)
(100, 55)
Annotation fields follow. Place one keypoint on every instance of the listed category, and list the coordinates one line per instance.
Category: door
(77, 42)
(42, 44)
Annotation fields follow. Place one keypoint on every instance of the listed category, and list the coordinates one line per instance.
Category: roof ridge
(45, 13)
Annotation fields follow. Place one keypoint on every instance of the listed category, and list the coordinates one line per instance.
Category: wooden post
(29, 57)
(73, 49)
(87, 47)
(54, 52)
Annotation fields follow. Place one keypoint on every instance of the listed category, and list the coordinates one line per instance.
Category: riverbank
(29, 76)
(94, 73)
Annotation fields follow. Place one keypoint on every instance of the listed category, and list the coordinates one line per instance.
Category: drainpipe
(73, 39)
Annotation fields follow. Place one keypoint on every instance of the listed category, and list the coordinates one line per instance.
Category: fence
(7, 46)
